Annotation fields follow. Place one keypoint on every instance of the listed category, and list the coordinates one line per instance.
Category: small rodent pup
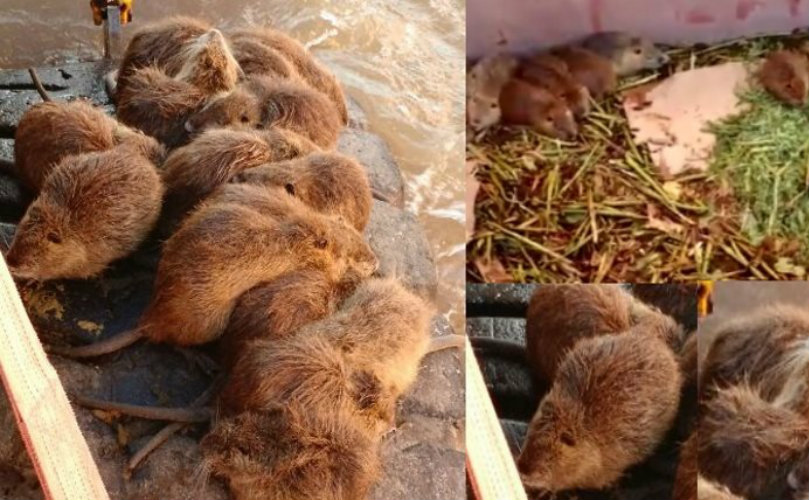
(629, 54)
(559, 83)
(331, 183)
(307, 68)
(287, 451)
(522, 103)
(225, 248)
(484, 81)
(785, 75)
(589, 69)
(750, 445)
(258, 59)
(261, 102)
(51, 131)
(612, 401)
(193, 171)
(93, 208)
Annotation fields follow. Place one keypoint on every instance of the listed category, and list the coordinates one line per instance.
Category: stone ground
(498, 311)
(423, 459)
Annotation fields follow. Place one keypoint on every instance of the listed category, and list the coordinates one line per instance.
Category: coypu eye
(567, 439)
(493, 105)
(54, 237)
(290, 189)
(244, 119)
(638, 51)
(321, 243)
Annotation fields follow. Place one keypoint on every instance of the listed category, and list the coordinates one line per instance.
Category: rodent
(93, 208)
(484, 81)
(51, 131)
(286, 451)
(589, 69)
(227, 246)
(522, 103)
(678, 300)
(558, 82)
(261, 102)
(629, 54)
(307, 68)
(785, 75)
(193, 171)
(331, 183)
(612, 401)
(257, 58)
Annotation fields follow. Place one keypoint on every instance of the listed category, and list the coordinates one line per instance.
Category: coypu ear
(290, 188)
(567, 439)
(321, 242)
(54, 237)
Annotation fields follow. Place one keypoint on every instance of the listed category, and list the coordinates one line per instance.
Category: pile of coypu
(222, 147)
(612, 368)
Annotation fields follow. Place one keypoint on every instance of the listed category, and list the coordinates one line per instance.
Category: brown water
(403, 61)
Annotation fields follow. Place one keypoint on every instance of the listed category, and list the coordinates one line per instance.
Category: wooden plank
(60, 455)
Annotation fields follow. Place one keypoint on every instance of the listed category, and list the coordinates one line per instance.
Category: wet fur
(259, 59)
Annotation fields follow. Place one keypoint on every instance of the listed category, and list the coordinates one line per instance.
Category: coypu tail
(38, 85)
(186, 415)
(505, 348)
(96, 349)
(446, 342)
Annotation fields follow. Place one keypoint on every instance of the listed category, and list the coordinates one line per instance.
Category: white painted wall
(527, 24)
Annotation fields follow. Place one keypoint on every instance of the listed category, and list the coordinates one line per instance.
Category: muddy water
(402, 61)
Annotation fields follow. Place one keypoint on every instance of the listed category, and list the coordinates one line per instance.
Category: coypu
(612, 401)
(629, 54)
(768, 348)
(261, 102)
(184, 47)
(785, 75)
(51, 131)
(258, 59)
(330, 183)
(224, 248)
(522, 103)
(286, 452)
(483, 85)
(559, 83)
(750, 445)
(93, 208)
(193, 171)
(306, 67)
(589, 69)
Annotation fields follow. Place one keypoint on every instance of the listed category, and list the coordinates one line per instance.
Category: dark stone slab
(514, 432)
(373, 153)
(399, 242)
(6, 235)
(421, 471)
(498, 299)
(356, 115)
(14, 198)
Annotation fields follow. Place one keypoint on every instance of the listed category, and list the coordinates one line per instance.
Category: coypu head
(525, 104)
(482, 112)
(349, 245)
(209, 64)
(239, 108)
(638, 54)
(330, 183)
(314, 456)
(557, 454)
(554, 120)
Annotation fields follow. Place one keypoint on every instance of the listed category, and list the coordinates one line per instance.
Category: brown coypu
(629, 54)
(484, 82)
(193, 171)
(785, 75)
(768, 348)
(51, 131)
(307, 68)
(558, 82)
(227, 246)
(522, 103)
(312, 456)
(330, 183)
(589, 69)
(750, 445)
(93, 209)
(261, 102)
(612, 401)
(258, 59)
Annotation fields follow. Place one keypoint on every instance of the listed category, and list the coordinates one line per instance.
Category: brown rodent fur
(612, 401)
(768, 349)
(589, 69)
(330, 183)
(307, 68)
(629, 54)
(181, 46)
(261, 102)
(287, 452)
(51, 131)
(524, 104)
(258, 59)
(685, 479)
(749, 444)
(484, 82)
(707, 490)
(230, 244)
(559, 83)
(193, 171)
(93, 209)
(785, 74)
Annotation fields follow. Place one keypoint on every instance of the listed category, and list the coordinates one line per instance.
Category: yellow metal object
(705, 304)
(99, 10)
